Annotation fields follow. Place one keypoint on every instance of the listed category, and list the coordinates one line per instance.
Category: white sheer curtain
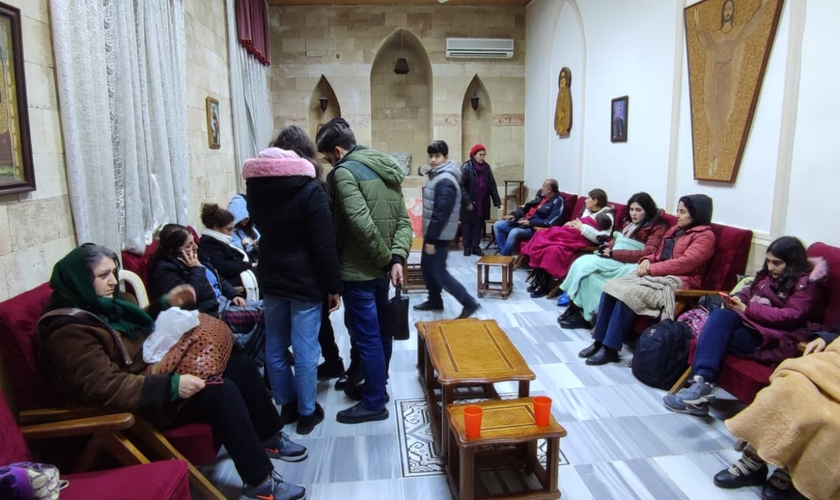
(249, 100)
(121, 71)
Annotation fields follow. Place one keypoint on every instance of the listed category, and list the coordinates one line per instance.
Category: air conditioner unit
(479, 48)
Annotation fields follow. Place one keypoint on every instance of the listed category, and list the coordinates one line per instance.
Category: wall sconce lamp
(401, 67)
(324, 103)
(474, 99)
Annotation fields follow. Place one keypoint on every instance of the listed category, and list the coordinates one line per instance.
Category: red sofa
(160, 480)
(743, 378)
(33, 387)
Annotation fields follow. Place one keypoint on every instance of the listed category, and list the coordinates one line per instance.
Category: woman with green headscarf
(93, 342)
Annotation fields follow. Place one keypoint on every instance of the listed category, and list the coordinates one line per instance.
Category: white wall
(569, 50)
(637, 48)
(540, 24)
(815, 174)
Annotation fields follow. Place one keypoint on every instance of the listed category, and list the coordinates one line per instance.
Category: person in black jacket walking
(478, 189)
(543, 211)
(298, 267)
(441, 199)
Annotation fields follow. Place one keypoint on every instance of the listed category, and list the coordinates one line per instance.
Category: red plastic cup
(542, 410)
(472, 420)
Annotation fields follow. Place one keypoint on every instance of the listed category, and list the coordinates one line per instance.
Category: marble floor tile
(622, 443)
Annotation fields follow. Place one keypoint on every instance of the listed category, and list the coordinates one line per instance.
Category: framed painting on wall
(213, 123)
(618, 119)
(16, 170)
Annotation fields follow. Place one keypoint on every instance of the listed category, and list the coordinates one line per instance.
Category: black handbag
(396, 315)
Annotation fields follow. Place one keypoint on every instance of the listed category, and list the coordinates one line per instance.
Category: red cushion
(832, 256)
(619, 215)
(671, 220)
(12, 446)
(32, 385)
(195, 441)
(732, 249)
(742, 378)
(580, 205)
(166, 480)
(569, 201)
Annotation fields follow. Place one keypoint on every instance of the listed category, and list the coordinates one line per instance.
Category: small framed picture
(213, 123)
(618, 119)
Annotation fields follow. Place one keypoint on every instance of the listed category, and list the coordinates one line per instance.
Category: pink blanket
(554, 249)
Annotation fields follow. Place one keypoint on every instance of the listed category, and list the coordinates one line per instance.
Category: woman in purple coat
(764, 322)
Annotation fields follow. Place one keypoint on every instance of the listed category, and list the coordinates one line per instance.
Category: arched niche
(476, 125)
(318, 117)
(401, 105)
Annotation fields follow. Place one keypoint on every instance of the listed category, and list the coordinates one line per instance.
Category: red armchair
(743, 378)
(163, 480)
(37, 399)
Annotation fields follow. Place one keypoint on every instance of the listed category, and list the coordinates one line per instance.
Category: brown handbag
(203, 351)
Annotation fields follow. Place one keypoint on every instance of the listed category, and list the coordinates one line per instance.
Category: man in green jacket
(373, 233)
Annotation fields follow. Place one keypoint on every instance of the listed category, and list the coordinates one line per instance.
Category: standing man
(373, 233)
(441, 210)
(543, 211)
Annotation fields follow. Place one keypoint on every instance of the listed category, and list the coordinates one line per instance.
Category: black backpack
(661, 354)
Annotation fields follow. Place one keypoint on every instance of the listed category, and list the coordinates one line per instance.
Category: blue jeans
(724, 333)
(364, 316)
(508, 234)
(437, 278)
(293, 323)
(615, 320)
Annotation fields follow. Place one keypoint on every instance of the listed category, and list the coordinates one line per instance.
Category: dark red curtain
(252, 28)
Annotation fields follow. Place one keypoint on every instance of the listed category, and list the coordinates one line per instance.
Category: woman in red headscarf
(478, 188)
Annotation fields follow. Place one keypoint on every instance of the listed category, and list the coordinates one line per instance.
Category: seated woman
(793, 424)
(178, 261)
(764, 322)
(552, 251)
(93, 342)
(232, 263)
(643, 230)
(680, 261)
(245, 234)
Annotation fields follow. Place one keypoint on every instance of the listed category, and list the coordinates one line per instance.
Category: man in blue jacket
(543, 211)
(441, 210)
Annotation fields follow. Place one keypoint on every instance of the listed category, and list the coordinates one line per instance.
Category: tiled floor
(622, 443)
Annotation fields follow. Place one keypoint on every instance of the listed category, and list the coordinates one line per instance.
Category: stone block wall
(36, 228)
(341, 43)
(212, 171)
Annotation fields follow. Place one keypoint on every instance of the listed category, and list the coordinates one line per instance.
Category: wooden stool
(504, 422)
(413, 274)
(503, 287)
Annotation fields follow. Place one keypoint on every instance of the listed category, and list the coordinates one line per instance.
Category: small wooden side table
(504, 422)
(504, 287)
(413, 274)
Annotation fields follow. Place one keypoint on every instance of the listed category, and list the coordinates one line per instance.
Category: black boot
(571, 310)
(477, 251)
(540, 278)
(289, 413)
(604, 356)
(331, 369)
(467, 252)
(575, 320)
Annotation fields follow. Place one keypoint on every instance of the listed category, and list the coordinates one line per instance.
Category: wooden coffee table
(467, 354)
(504, 422)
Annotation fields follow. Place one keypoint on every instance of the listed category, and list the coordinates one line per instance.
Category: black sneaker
(737, 476)
(306, 423)
(469, 310)
(359, 414)
(280, 446)
(353, 376)
(331, 369)
(428, 306)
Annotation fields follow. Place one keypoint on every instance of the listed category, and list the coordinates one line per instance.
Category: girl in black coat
(232, 263)
(478, 188)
